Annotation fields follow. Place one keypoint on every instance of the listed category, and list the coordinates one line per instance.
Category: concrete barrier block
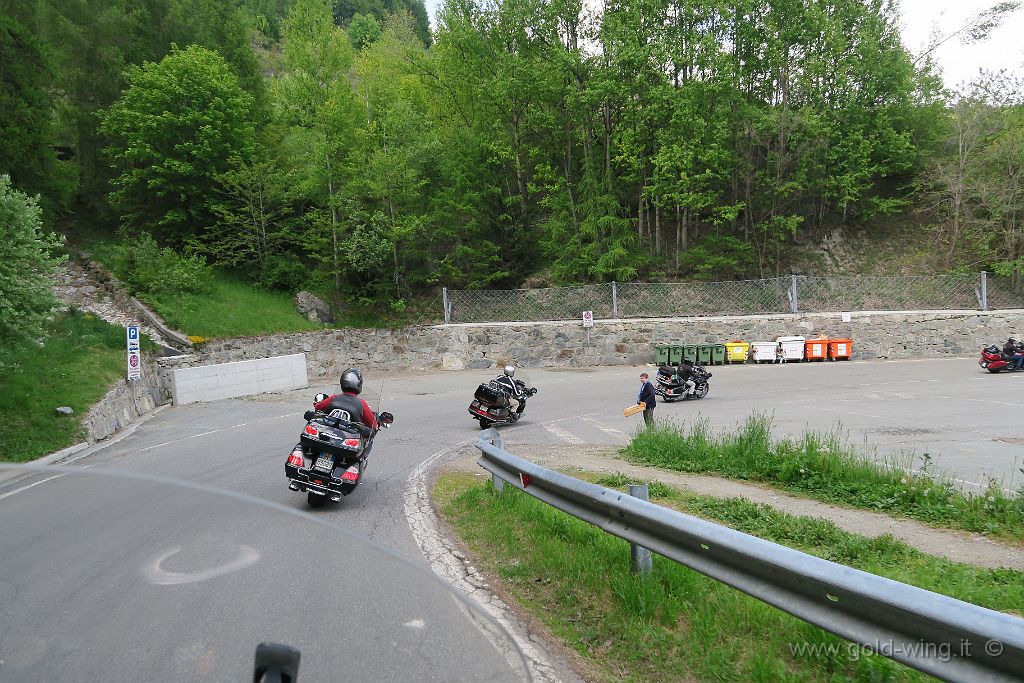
(238, 378)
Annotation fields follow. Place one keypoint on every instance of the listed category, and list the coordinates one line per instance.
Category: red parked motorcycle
(992, 359)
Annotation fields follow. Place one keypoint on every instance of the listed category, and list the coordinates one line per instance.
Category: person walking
(648, 398)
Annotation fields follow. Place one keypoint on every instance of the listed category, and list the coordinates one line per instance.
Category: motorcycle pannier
(491, 394)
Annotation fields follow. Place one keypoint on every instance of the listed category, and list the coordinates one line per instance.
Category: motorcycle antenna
(380, 393)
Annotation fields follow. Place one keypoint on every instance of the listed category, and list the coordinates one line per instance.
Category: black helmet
(352, 380)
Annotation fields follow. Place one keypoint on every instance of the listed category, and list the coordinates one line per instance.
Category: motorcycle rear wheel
(994, 370)
(316, 501)
(484, 424)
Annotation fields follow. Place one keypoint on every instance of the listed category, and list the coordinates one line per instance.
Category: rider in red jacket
(348, 400)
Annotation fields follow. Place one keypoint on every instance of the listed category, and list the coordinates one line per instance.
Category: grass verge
(79, 360)
(826, 469)
(230, 308)
(677, 624)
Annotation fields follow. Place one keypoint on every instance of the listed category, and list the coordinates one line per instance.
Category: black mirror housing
(385, 419)
(308, 415)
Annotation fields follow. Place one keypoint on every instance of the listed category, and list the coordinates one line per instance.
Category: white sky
(1003, 50)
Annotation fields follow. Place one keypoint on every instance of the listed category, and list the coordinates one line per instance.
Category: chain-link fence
(514, 305)
(794, 294)
(926, 292)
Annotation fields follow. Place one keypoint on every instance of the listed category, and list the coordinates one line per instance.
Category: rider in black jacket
(1012, 352)
(513, 387)
(685, 374)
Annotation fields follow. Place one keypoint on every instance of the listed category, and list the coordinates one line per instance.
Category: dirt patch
(954, 545)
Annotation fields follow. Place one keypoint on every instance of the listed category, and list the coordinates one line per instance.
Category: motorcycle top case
(491, 394)
(328, 440)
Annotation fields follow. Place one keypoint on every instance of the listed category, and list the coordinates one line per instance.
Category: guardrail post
(793, 305)
(615, 300)
(447, 307)
(491, 434)
(639, 557)
(984, 290)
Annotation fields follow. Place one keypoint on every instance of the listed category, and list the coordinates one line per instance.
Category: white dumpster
(763, 351)
(792, 347)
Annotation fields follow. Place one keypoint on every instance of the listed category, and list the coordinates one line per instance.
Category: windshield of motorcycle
(109, 576)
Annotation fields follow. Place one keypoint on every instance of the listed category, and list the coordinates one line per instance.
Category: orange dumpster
(816, 349)
(840, 349)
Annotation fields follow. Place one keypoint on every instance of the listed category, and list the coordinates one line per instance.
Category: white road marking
(454, 569)
(36, 483)
(564, 435)
(415, 623)
(212, 431)
(1002, 403)
(247, 556)
(604, 428)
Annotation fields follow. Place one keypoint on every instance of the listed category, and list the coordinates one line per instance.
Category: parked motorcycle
(330, 458)
(992, 359)
(672, 388)
(491, 405)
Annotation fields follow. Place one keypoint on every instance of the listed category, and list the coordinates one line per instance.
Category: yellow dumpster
(736, 351)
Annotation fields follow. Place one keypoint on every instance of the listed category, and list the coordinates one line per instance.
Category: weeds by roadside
(824, 468)
(78, 361)
(676, 623)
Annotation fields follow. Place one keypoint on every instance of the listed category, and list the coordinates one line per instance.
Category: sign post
(588, 318)
(134, 356)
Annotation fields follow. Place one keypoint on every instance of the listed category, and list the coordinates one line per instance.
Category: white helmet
(509, 370)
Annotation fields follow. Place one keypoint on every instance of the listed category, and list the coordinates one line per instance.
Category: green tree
(314, 101)
(363, 30)
(26, 117)
(26, 269)
(254, 231)
(173, 131)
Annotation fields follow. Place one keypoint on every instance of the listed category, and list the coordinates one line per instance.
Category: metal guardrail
(944, 637)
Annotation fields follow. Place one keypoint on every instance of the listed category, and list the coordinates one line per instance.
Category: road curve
(968, 422)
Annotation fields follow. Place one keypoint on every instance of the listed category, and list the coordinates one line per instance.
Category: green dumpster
(661, 355)
(704, 354)
(690, 352)
(675, 354)
(718, 354)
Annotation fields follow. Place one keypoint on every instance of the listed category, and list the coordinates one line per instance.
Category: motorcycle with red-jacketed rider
(330, 458)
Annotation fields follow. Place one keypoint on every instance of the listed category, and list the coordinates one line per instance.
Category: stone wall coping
(730, 318)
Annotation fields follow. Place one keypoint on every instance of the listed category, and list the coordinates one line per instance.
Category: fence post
(984, 290)
(794, 306)
(447, 308)
(639, 557)
(615, 300)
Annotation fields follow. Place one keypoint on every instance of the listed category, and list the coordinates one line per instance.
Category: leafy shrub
(718, 257)
(148, 268)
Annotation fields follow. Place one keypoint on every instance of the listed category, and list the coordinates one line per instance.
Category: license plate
(325, 464)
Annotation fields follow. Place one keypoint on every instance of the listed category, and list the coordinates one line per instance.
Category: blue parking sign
(133, 333)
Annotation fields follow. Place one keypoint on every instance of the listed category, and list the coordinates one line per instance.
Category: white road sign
(134, 356)
(588, 318)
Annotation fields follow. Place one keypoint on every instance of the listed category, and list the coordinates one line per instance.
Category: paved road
(969, 422)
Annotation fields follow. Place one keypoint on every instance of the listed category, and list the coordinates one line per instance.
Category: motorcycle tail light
(296, 459)
(311, 430)
(351, 474)
(351, 443)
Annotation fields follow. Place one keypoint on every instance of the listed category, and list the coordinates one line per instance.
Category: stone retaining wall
(881, 335)
(127, 401)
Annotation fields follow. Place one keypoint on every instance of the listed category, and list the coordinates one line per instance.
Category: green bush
(148, 268)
